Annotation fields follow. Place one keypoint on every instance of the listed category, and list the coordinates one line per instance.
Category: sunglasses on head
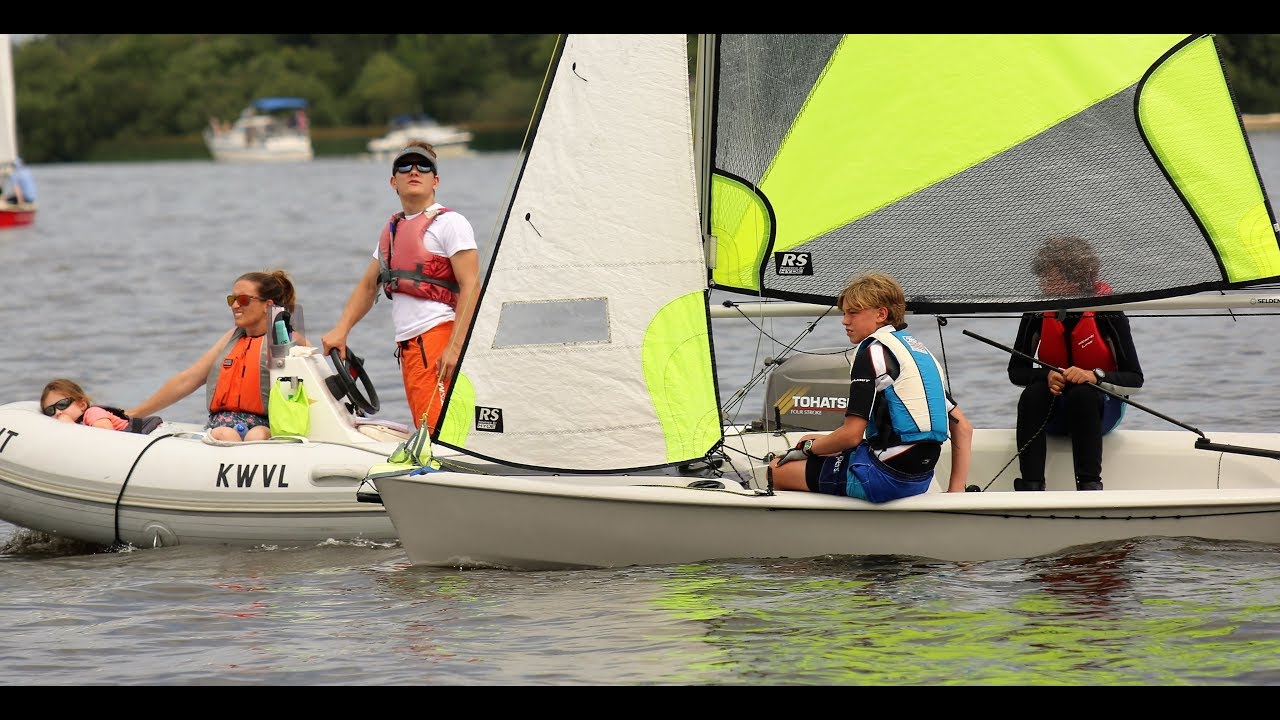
(423, 168)
(62, 404)
(242, 299)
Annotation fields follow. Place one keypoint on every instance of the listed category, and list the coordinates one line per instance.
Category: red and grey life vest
(1087, 348)
(408, 267)
(242, 380)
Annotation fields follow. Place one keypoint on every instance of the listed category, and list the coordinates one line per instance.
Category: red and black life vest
(1087, 348)
(409, 267)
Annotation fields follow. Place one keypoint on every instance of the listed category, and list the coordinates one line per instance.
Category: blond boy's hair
(875, 290)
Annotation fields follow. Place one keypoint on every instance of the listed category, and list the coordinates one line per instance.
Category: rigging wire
(942, 350)
(787, 348)
(1018, 454)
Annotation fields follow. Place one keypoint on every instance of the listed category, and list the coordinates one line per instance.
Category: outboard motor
(808, 391)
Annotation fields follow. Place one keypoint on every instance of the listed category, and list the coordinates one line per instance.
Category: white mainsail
(590, 350)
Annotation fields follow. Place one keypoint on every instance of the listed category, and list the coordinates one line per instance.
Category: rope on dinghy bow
(119, 544)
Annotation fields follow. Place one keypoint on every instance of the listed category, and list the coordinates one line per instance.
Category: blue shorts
(229, 418)
(859, 474)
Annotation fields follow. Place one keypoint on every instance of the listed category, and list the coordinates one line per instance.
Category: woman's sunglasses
(62, 404)
(242, 299)
(424, 169)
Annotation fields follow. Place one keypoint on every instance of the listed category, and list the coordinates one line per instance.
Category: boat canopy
(412, 119)
(269, 104)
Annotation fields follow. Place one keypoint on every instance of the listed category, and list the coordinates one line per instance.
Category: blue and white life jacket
(917, 404)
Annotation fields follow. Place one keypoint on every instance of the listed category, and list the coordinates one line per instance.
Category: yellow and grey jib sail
(946, 160)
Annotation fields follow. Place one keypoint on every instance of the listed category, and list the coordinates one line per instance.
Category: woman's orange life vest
(408, 267)
(1088, 350)
(242, 380)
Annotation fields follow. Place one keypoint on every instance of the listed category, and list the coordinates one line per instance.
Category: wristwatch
(807, 447)
(1100, 373)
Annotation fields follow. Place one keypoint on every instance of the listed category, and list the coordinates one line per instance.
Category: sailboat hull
(10, 217)
(1158, 484)
(800, 171)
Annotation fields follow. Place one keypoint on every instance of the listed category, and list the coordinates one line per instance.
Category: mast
(704, 100)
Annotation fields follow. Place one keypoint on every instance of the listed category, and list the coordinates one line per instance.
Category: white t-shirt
(449, 233)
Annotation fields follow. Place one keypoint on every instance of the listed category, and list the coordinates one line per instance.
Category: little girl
(65, 401)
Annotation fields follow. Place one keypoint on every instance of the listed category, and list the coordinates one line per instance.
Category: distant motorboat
(270, 129)
(1263, 121)
(445, 139)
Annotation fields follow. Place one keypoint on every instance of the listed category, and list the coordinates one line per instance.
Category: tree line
(77, 93)
(1253, 70)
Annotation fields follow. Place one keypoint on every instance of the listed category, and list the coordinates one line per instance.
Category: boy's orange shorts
(418, 358)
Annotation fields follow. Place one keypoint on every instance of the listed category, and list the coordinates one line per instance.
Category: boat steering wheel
(343, 384)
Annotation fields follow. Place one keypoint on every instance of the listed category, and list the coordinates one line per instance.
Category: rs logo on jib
(792, 263)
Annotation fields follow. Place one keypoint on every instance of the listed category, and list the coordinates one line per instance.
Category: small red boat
(16, 217)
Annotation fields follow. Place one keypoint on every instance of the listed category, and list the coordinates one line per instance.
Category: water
(121, 283)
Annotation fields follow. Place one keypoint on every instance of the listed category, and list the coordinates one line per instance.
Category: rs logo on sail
(246, 474)
(489, 419)
(792, 263)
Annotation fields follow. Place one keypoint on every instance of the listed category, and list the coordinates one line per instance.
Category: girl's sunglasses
(242, 299)
(62, 404)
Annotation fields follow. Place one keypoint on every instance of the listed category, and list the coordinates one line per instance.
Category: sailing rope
(733, 405)
(942, 321)
(942, 348)
(119, 544)
(1018, 454)
(429, 456)
(438, 396)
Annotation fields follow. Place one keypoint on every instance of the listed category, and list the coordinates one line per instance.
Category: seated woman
(234, 370)
(65, 401)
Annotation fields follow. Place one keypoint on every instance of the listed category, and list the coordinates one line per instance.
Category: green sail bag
(289, 414)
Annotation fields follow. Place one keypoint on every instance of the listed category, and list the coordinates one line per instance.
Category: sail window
(553, 322)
